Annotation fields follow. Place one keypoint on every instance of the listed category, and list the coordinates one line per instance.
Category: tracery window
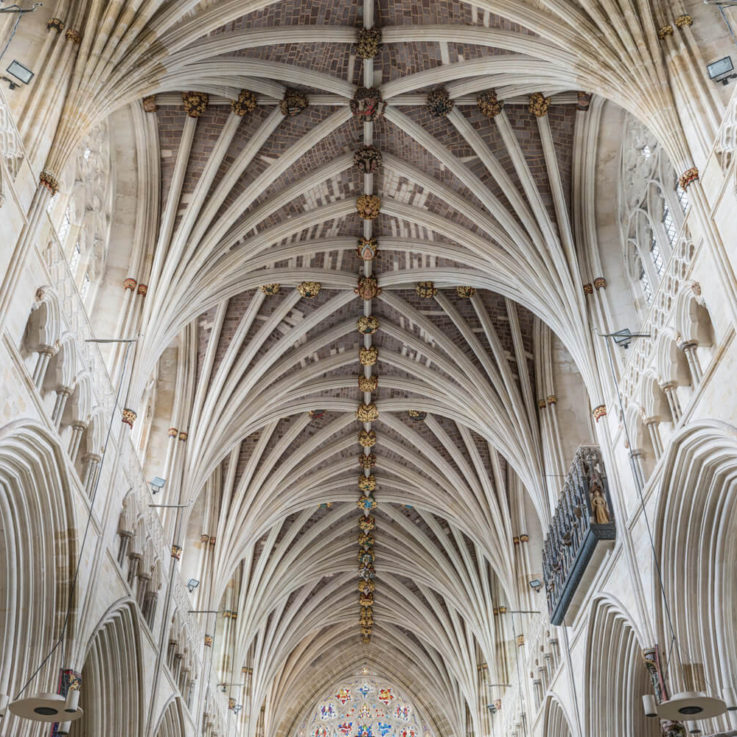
(670, 226)
(651, 210)
(364, 707)
(82, 212)
(647, 289)
(656, 256)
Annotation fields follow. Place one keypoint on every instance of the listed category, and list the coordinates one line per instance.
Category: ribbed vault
(248, 191)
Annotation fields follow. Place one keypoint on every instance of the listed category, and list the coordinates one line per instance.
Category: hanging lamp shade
(45, 707)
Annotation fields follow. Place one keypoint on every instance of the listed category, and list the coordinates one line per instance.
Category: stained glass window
(365, 707)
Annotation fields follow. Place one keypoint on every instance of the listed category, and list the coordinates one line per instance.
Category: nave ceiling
(482, 233)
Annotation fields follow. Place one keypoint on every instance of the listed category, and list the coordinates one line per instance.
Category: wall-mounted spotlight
(192, 584)
(20, 11)
(624, 337)
(721, 70)
(22, 73)
(157, 484)
(536, 584)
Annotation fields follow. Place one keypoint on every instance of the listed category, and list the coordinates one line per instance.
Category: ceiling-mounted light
(691, 704)
(48, 707)
(721, 70)
(157, 484)
(19, 71)
(687, 705)
(192, 584)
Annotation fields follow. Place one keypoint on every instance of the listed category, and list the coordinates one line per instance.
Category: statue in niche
(599, 506)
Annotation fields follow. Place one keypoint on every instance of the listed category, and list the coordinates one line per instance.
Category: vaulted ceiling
(478, 259)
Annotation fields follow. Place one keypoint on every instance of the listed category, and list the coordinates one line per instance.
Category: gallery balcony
(581, 532)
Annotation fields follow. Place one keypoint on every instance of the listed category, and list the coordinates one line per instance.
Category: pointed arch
(557, 723)
(696, 539)
(171, 723)
(37, 557)
(616, 677)
(112, 696)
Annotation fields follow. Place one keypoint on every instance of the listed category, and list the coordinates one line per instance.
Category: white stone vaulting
(367, 368)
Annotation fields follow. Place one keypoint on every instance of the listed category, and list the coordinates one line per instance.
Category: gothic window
(364, 707)
(669, 225)
(75, 258)
(647, 289)
(66, 224)
(82, 212)
(651, 211)
(682, 197)
(84, 289)
(656, 255)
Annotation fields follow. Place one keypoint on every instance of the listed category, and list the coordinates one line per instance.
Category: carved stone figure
(599, 506)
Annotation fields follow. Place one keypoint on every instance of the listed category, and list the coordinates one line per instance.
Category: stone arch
(91, 446)
(111, 693)
(694, 329)
(653, 400)
(79, 407)
(641, 442)
(672, 366)
(616, 677)
(696, 540)
(692, 320)
(37, 560)
(62, 371)
(42, 331)
(171, 723)
(557, 723)
(44, 324)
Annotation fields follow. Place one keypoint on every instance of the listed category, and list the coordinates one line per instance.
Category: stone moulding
(367, 324)
(688, 177)
(367, 413)
(195, 103)
(367, 104)
(367, 483)
(309, 289)
(244, 104)
(293, 103)
(368, 42)
(367, 438)
(368, 383)
(368, 287)
(539, 104)
(368, 159)
(489, 105)
(368, 356)
(129, 416)
(367, 248)
(426, 289)
(368, 206)
(439, 102)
